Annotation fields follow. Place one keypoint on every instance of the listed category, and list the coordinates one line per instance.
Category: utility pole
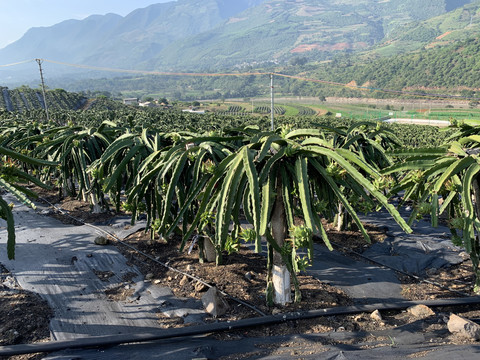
(272, 110)
(39, 62)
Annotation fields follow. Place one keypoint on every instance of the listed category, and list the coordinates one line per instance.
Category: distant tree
(467, 93)
(473, 104)
(298, 61)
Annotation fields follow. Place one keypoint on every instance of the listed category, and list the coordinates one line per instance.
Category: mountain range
(194, 35)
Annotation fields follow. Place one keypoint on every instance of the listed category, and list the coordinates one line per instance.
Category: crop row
(153, 163)
(231, 113)
(305, 111)
(267, 178)
(235, 109)
(278, 110)
(165, 176)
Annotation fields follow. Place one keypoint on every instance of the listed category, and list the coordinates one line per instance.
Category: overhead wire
(369, 88)
(326, 82)
(149, 72)
(17, 63)
(234, 74)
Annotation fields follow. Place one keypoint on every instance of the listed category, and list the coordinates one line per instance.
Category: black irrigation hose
(251, 307)
(417, 278)
(102, 341)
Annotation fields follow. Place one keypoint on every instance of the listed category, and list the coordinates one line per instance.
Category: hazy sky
(17, 16)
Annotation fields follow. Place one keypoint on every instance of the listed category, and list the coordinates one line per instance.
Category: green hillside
(454, 66)
(452, 69)
(441, 30)
(278, 30)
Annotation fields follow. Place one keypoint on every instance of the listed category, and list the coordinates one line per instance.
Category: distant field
(262, 108)
(472, 122)
(358, 111)
(369, 112)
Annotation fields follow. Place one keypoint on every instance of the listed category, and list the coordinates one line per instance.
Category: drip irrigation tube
(244, 303)
(417, 278)
(251, 307)
(102, 341)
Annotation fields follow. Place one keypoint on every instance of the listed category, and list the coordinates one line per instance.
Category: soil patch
(243, 276)
(25, 316)
(455, 281)
(68, 210)
(76, 212)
